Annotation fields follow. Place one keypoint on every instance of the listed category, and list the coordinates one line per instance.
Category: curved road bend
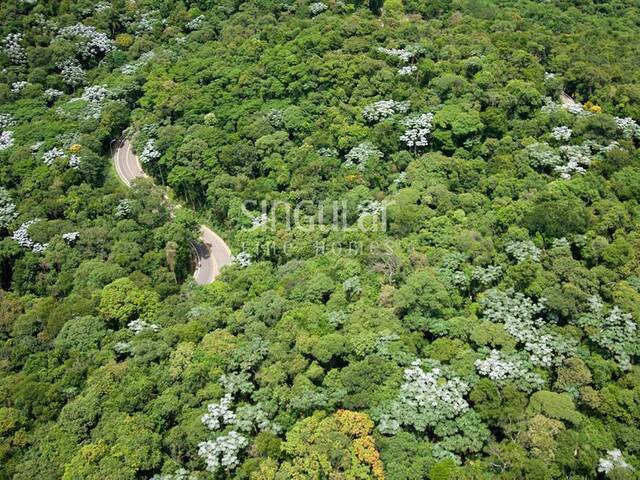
(211, 252)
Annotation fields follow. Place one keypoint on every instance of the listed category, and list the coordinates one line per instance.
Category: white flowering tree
(550, 106)
(7, 208)
(486, 276)
(371, 208)
(51, 94)
(613, 331)
(21, 235)
(275, 118)
(147, 22)
(122, 348)
(523, 320)
(614, 460)
(352, 286)
(133, 67)
(337, 318)
(138, 326)
(404, 55)
(75, 161)
(418, 130)
(231, 427)
(12, 47)
(382, 109)
(317, 8)
(6, 121)
(426, 399)
(362, 153)
(150, 152)
(407, 70)
(195, 23)
(95, 94)
(72, 73)
(123, 209)
(577, 158)
(565, 160)
(17, 87)
(432, 402)
(71, 237)
(523, 250)
(401, 179)
(577, 109)
(6, 139)
(52, 155)
(219, 414)
(628, 127)
(223, 451)
(88, 105)
(89, 42)
(561, 134)
(503, 368)
(6, 136)
(543, 156)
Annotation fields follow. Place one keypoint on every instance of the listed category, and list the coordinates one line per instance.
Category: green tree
(122, 301)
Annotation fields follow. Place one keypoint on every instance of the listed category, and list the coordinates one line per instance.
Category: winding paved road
(566, 99)
(211, 252)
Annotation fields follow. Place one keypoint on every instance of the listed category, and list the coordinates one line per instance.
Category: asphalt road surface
(566, 100)
(211, 252)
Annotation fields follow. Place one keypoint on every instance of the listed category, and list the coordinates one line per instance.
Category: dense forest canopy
(472, 314)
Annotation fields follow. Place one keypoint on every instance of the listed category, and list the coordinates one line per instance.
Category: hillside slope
(436, 270)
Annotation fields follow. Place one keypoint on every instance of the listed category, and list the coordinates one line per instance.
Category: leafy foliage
(463, 213)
